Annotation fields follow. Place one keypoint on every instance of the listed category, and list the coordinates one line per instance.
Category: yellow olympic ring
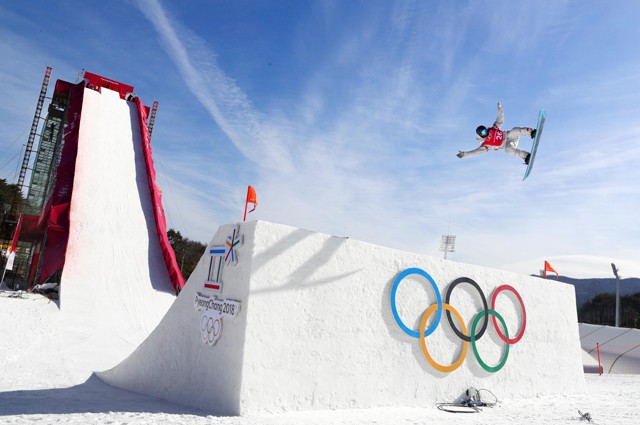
(423, 344)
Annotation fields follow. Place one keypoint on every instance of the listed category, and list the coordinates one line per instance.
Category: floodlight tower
(615, 273)
(447, 244)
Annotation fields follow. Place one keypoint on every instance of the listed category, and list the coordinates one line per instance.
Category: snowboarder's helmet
(482, 131)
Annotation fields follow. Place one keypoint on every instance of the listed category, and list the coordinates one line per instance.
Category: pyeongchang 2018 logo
(460, 330)
(214, 310)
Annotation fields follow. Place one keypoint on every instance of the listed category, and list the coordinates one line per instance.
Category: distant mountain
(586, 289)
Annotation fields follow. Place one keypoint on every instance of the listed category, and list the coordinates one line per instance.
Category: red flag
(548, 268)
(14, 245)
(251, 199)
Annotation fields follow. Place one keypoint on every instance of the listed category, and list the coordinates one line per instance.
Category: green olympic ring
(485, 366)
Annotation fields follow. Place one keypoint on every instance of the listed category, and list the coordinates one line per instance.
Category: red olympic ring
(524, 314)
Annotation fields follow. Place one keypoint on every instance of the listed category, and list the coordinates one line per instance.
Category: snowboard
(534, 148)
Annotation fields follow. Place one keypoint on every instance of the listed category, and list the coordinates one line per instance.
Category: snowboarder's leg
(478, 151)
(512, 139)
(513, 136)
(516, 152)
(521, 131)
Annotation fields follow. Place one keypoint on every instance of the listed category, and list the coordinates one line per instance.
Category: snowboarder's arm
(477, 151)
(500, 118)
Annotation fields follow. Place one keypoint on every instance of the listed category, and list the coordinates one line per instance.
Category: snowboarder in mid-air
(494, 138)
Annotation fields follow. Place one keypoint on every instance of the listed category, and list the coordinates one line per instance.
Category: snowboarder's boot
(526, 159)
(533, 133)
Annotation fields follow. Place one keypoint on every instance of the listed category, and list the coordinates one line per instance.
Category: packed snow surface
(40, 383)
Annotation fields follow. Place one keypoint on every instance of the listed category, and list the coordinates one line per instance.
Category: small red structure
(94, 81)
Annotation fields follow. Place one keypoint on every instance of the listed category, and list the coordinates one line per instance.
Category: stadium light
(615, 273)
(447, 244)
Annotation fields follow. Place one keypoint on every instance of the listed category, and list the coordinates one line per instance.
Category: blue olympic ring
(394, 309)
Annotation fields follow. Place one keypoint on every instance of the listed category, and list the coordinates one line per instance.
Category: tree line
(601, 310)
(187, 252)
(10, 196)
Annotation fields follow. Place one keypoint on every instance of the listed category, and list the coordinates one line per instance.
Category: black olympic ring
(484, 304)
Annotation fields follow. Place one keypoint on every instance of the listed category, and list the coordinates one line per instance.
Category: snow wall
(304, 321)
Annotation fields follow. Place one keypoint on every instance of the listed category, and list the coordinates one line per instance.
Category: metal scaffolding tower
(47, 155)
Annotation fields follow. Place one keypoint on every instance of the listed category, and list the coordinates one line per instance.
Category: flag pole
(4, 271)
(12, 249)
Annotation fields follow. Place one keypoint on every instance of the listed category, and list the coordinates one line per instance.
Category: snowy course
(39, 384)
(308, 333)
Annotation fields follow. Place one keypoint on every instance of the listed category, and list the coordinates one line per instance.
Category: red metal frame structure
(96, 82)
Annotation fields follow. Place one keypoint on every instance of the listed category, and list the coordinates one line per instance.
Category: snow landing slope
(304, 321)
(115, 287)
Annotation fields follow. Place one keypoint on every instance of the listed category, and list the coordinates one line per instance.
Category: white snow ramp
(305, 321)
(115, 287)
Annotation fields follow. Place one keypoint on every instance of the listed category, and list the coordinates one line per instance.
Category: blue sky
(346, 115)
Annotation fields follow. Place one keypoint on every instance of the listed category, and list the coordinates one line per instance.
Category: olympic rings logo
(474, 335)
(210, 328)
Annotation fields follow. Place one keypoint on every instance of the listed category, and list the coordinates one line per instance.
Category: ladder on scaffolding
(34, 128)
(152, 117)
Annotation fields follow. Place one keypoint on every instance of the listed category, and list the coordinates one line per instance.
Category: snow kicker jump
(307, 321)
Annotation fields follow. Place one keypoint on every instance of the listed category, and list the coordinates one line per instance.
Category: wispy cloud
(364, 144)
(218, 93)
(354, 129)
(336, 162)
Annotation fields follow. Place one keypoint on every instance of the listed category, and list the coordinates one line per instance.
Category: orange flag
(251, 199)
(548, 268)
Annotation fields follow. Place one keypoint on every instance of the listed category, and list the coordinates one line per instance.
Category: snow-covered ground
(40, 383)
